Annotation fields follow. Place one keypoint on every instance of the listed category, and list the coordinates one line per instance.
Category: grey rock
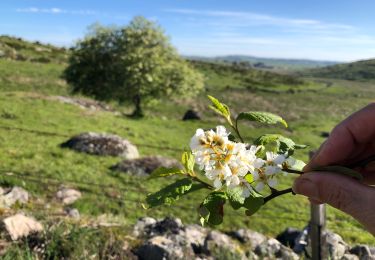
(102, 144)
(16, 194)
(274, 249)
(250, 237)
(191, 115)
(68, 196)
(142, 226)
(195, 236)
(335, 245)
(221, 246)
(288, 237)
(361, 251)
(20, 225)
(73, 213)
(160, 248)
(349, 257)
(144, 166)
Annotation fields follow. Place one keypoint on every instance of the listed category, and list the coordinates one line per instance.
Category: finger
(340, 192)
(356, 130)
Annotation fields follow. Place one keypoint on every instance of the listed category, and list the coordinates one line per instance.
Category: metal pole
(317, 225)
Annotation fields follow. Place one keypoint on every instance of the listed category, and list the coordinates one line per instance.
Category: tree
(134, 64)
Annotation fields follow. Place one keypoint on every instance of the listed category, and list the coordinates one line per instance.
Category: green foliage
(134, 64)
(253, 203)
(235, 197)
(279, 143)
(219, 107)
(261, 117)
(164, 172)
(212, 208)
(188, 162)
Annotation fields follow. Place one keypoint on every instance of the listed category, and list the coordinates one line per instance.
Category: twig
(275, 194)
(293, 171)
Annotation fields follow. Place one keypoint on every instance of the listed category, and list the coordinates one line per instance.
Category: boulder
(335, 245)
(144, 166)
(19, 226)
(288, 237)
(221, 246)
(349, 257)
(250, 237)
(16, 194)
(272, 248)
(141, 228)
(72, 213)
(102, 144)
(195, 236)
(68, 196)
(362, 251)
(160, 248)
(191, 115)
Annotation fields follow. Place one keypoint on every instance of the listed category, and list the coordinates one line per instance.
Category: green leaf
(164, 172)
(219, 107)
(340, 170)
(235, 198)
(188, 161)
(283, 144)
(211, 209)
(300, 146)
(249, 178)
(298, 166)
(262, 117)
(172, 192)
(253, 203)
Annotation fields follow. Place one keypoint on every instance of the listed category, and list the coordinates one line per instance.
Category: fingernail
(306, 187)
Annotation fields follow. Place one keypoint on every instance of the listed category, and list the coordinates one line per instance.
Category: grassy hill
(270, 63)
(360, 70)
(33, 124)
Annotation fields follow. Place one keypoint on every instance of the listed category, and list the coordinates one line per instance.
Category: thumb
(341, 192)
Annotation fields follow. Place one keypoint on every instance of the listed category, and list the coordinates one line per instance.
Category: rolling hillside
(360, 70)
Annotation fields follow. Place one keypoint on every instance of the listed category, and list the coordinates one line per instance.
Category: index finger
(354, 132)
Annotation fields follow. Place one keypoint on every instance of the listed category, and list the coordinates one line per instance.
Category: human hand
(351, 141)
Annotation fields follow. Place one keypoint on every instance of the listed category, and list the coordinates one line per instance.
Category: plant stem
(293, 171)
(276, 194)
(237, 131)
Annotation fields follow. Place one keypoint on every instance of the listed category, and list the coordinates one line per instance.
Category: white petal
(279, 159)
(221, 131)
(245, 192)
(272, 182)
(217, 183)
(255, 176)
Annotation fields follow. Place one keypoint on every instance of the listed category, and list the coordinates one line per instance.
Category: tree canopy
(135, 63)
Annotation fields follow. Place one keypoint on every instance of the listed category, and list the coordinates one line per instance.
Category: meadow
(32, 125)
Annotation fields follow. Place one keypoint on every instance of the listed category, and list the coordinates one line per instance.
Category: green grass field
(32, 126)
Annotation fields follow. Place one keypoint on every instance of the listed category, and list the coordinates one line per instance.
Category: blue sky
(341, 30)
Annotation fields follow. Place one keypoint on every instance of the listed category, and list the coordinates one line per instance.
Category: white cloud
(243, 19)
(55, 11)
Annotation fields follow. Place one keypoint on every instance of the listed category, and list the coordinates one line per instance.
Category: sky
(335, 30)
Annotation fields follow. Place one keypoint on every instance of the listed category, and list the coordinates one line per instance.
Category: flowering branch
(277, 194)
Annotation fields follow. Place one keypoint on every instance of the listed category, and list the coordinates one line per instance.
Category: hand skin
(351, 141)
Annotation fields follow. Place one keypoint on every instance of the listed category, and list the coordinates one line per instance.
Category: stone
(73, 213)
(349, 257)
(288, 237)
(102, 144)
(68, 196)
(160, 248)
(146, 165)
(221, 245)
(335, 245)
(142, 226)
(19, 226)
(191, 115)
(250, 237)
(16, 194)
(195, 236)
(361, 251)
(272, 248)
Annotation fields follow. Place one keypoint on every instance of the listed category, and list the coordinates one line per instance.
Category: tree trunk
(138, 112)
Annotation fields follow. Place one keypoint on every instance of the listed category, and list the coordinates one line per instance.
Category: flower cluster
(233, 164)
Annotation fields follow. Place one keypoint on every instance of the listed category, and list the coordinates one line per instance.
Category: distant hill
(13, 48)
(360, 70)
(267, 63)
